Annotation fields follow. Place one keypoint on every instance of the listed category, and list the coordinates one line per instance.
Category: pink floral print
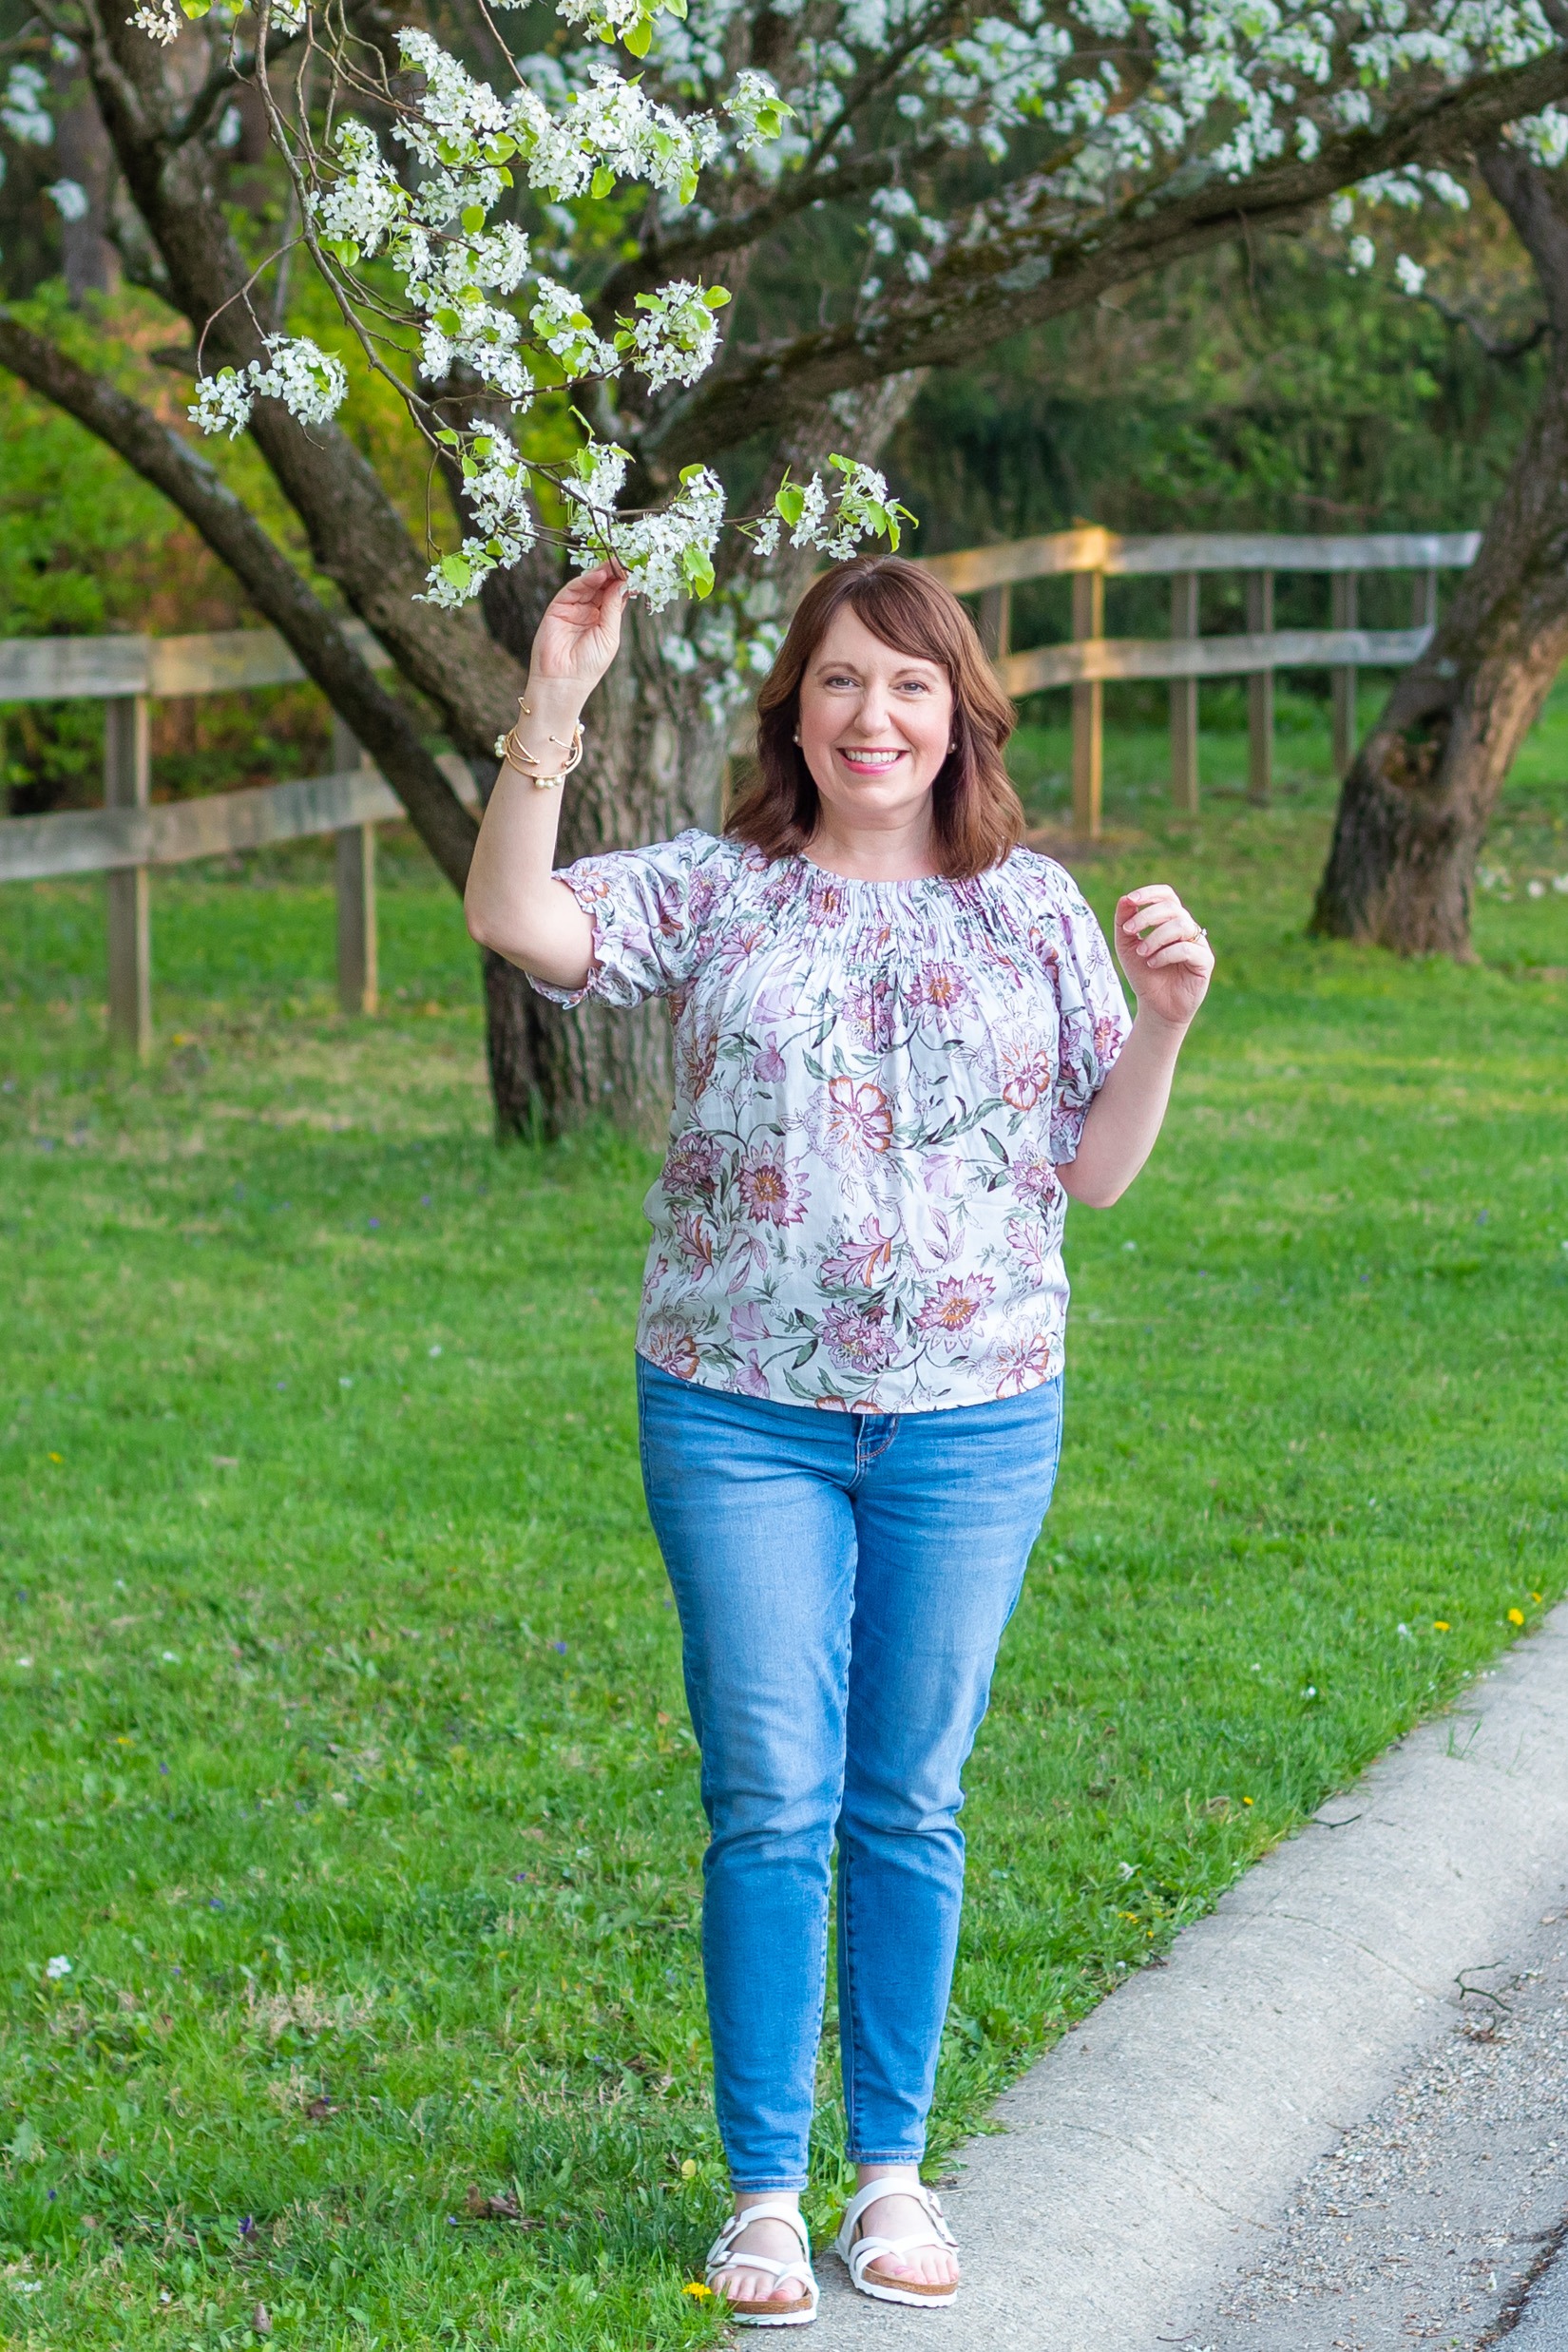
(769, 1191)
(877, 1083)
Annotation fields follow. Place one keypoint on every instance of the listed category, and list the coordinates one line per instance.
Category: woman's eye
(913, 685)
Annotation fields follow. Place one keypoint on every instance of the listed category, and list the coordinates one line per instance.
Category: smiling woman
(900, 1044)
(881, 691)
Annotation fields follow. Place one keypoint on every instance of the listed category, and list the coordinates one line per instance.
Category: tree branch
(310, 630)
(1504, 354)
(781, 204)
(1032, 266)
(357, 535)
(1536, 202)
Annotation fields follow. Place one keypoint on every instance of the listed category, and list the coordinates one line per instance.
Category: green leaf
(624, 340)
(687, 189)
(473, 220)
(791, 503)
(448, 320)
(691, 473)
(715, 296)
(447, 439)
(457, 569)
(698, 570)
(674, 8)
(603, 181)
(638, 37)
(194, 9)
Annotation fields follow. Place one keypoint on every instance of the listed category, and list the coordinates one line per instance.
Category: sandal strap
(861, 2202)
(722, 2255)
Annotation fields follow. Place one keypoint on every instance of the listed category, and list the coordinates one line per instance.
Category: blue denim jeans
(843, 1582)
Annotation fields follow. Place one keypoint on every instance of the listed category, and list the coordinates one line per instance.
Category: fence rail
(130, 835)
(1090, 556)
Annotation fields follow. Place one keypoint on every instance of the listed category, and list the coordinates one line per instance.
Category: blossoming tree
(659, 277)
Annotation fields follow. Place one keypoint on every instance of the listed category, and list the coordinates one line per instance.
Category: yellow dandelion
(1441, 1625)
(57, 1457)
(697, 2290)
(1516, 1617)
(1538, 1598)
(1246, 1800)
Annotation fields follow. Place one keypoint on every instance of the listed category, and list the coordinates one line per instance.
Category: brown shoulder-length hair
(976, 812)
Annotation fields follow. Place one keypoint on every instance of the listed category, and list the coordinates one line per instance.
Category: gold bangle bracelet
(517, 754)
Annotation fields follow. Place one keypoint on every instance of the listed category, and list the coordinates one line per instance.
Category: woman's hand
(581, 631)
(1164, 952)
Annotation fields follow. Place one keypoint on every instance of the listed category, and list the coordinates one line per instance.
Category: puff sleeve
(649, 910)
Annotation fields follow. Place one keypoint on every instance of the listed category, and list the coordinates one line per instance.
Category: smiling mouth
(869, 761)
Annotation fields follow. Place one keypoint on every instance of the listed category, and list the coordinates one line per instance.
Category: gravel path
(1429, 2221)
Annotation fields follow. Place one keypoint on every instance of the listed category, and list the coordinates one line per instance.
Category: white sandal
(858, 2254)
(722, 2257)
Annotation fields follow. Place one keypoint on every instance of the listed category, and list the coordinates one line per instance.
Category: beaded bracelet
(517, 754)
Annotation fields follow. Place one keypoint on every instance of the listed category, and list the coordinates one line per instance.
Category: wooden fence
(130, 835)
(1091, 556)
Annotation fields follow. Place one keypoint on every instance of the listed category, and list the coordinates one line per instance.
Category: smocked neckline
(814, 873)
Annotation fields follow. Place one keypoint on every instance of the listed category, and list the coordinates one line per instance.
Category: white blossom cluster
(309, 382)
(163, 20)
(1543, 136)
(1124, 86)
(496, 484)
(23, 112)
(674, 336)
(667, 554)
(1103, 100)
(71, 198)
(734, 639)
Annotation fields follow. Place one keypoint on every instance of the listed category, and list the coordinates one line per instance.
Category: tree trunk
(1415, 807)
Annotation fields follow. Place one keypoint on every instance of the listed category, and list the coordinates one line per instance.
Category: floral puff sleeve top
(876, 1083)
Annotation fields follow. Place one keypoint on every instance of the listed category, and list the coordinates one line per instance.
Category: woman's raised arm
(513, 903)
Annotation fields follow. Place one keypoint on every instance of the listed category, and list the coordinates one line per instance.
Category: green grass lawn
(346, 1763)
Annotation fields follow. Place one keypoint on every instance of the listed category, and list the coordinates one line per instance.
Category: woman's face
(875, 725)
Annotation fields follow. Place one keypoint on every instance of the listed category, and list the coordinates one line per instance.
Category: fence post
(1423, 599)
(1344, 676)
(355, 864)
(128, 781)
(1184, 588)
(995, 622)
(1260, 693)
(1088, 709)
